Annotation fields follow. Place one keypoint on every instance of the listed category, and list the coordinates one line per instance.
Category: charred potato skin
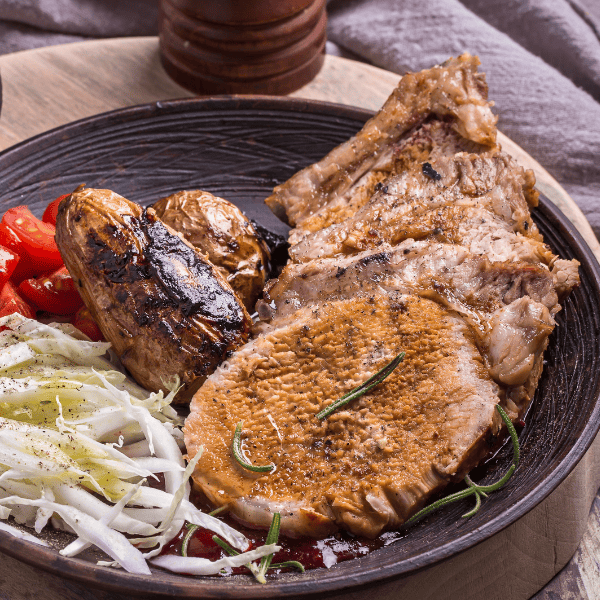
(220, 230)
(165, 309)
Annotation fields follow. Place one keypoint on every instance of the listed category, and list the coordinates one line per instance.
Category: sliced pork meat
(497, 300)
(474, 330)
(414, 236)
(478, 201)
(446, 272)
(323, 193)
(369, 466)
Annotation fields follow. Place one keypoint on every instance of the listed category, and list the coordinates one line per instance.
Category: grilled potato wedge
(163, 306)
(220, 230)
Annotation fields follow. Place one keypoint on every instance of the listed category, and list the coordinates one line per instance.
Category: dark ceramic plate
(239, 148)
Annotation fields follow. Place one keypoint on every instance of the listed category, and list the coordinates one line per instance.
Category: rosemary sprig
(236, 448)
(272, 537)
(218, 510)
(265, 562)
(288, 564)
(191, 530)
(473, 488)
(363, 388)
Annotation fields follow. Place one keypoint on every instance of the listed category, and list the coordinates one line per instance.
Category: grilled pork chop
(474, 333)
(369, 466)
(372, 464)
(499, 301)
(414, 236)
(478, 201)
(335, 187)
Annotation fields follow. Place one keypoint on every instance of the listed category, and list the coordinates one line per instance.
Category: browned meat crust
(509, 306)
(370, 465)
(454, 92)
(165, 309)
(475, 200)
(474, 333)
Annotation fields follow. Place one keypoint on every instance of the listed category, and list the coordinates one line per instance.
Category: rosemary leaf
(217, 511)
(363, 388)
(229, 549)
(191, 529)
(293, 564)
(272, 537)
(477, 506)
(474, 488)
(236, 448)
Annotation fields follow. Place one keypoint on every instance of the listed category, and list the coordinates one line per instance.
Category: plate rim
(186, 587)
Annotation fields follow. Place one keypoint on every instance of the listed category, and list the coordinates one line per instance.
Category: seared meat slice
(509, 306)
(370, 465)
(446, 272)
(427, 142)
(430, 141)
(165, 309)
(474, 333)
(478, 201)
(220, 231)
(323, 193)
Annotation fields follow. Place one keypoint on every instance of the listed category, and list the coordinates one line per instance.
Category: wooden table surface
(553, 552)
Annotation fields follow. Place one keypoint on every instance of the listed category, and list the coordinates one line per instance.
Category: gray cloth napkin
(26, 24)
(541, 57)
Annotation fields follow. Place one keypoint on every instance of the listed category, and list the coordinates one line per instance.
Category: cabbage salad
(79, 442)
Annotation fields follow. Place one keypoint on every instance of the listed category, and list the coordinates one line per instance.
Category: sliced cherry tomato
(49, 215)
(55, 293)
(37, 238)
(11, 302)
(9, 239)
(84, 322)
(8, 263)
(24, 270)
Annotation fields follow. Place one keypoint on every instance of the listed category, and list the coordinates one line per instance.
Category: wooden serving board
(48, 87)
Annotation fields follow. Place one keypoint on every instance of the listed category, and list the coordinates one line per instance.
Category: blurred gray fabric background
(541, 57)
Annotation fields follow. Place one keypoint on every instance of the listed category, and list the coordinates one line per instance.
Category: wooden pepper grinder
(242, 46)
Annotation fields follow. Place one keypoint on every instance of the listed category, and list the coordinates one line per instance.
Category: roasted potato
(163, 306)
(220, 230)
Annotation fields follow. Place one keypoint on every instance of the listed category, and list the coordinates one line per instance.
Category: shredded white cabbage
(203, 566)
(73, 430)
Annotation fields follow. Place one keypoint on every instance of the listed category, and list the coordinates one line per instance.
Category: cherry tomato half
(8, 263)
(84, 322)
(55, 293)
(37, 238)
(11, 302)
(49, 215)
(9, 239)
(24, 270)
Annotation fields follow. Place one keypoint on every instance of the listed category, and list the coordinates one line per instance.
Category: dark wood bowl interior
(239, 148)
